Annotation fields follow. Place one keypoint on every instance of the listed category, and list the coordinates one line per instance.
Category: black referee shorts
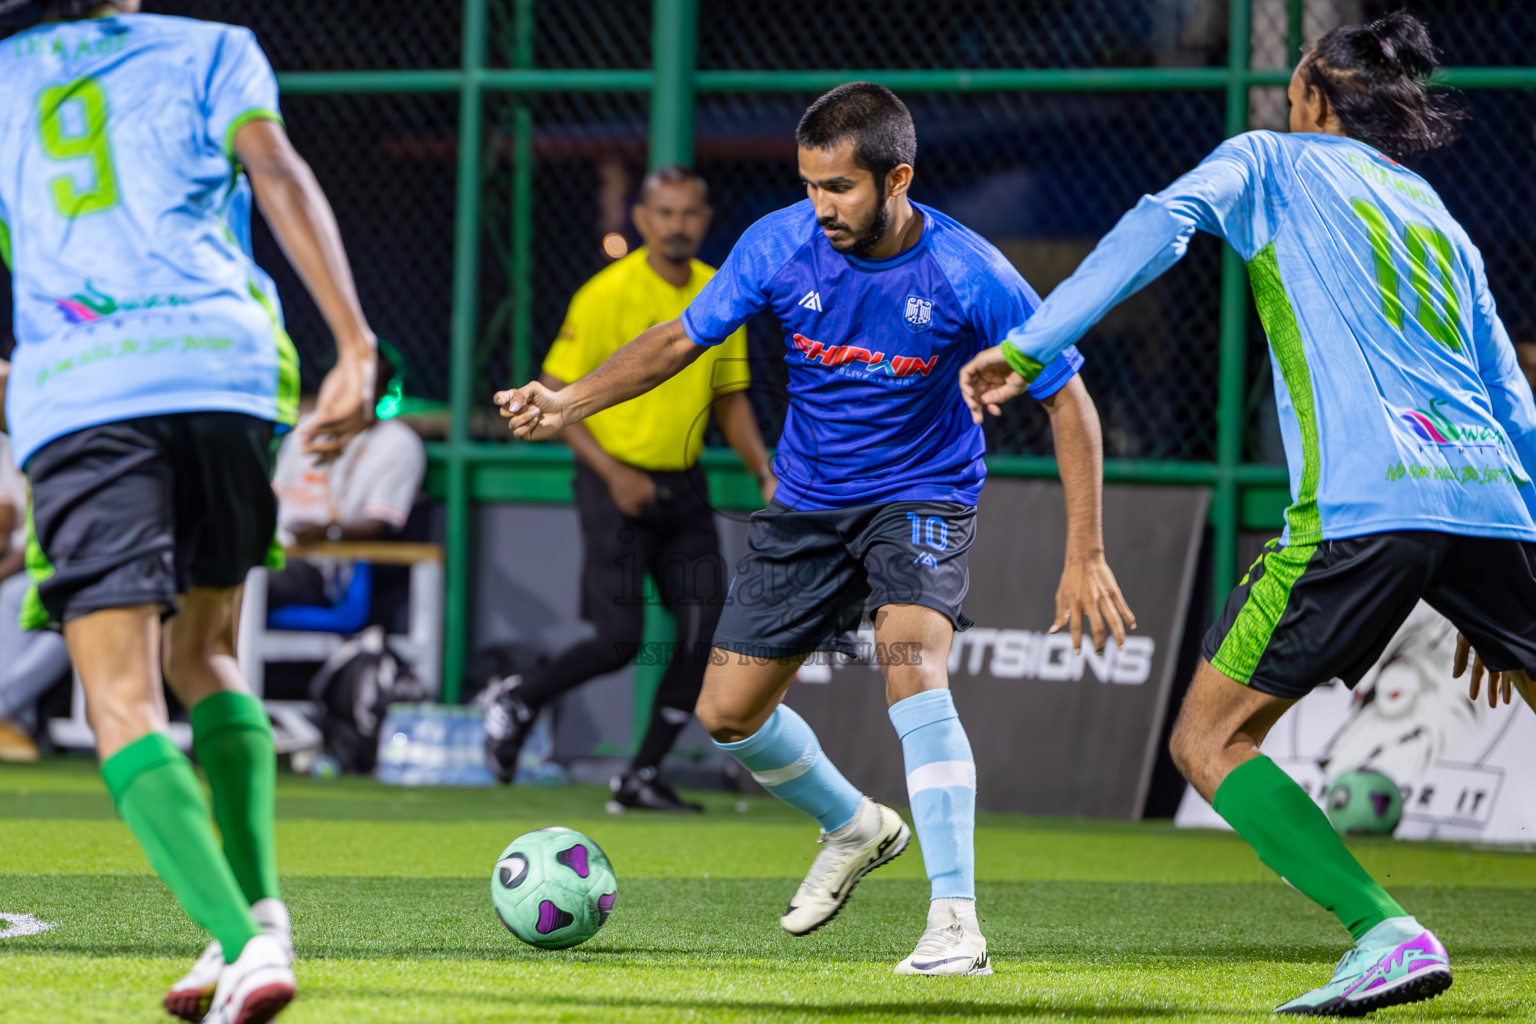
(138, 511)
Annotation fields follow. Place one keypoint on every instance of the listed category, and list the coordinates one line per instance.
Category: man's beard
(870, 238)
(676, 249)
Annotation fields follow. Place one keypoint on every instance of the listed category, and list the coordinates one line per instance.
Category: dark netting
(1473, 32)
(332, 35)
(589, 152)
(1042, 177)
(961, 34)
(571, 33)
(1488, 181)
(387, 163)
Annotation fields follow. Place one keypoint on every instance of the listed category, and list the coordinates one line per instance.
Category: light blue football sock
(941, 783)
(785, 758)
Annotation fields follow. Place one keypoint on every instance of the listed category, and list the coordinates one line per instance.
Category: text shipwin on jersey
(840, 355)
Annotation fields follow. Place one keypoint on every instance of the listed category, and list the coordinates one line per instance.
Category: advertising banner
(1053, 733)
(1465, 770)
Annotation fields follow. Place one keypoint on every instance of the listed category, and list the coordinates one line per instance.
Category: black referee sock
(666, 723)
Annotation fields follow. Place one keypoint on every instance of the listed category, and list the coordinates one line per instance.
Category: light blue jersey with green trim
(1401, 401)
(126, 227)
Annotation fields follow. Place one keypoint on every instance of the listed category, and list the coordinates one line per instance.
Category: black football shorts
(136, 512)
(1308, 613)
(808, 577)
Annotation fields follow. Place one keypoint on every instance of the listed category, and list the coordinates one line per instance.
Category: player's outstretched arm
(300, 216)
(1088, 586)
(534, 412)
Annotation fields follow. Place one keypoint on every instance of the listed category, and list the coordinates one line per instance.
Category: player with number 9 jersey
(150, 377)
(126, 227)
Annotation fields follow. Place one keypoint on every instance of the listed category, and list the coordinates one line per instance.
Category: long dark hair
(1373, 79)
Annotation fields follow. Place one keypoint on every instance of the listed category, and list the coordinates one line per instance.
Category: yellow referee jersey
(662, 430)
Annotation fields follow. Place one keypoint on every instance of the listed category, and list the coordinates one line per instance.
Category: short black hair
(672, 174)
(1373, 78)
(870, 116)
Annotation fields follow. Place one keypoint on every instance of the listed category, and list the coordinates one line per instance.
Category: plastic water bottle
(432, 745)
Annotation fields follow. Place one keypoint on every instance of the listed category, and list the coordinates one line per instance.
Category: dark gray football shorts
(809, 577)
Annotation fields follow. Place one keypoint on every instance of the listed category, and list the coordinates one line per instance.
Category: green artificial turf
(392, 918)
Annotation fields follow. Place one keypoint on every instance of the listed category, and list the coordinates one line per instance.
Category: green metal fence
(504, 69)
(532, 76)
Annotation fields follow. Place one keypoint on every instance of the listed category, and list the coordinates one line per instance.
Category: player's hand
(632, 490)
(533, 412)
(1500, 684)
(1089, 590)
(987, 381)
(344, 407)
(1463, 648)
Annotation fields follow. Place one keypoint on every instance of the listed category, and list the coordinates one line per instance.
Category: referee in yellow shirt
(640, 493)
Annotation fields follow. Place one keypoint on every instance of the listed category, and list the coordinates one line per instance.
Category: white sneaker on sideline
(951, 945)
(876, 835)
(191, 996)
(254, 988)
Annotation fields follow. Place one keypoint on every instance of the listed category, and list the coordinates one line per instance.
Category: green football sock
(1291, 834)
(157, 796)
(233, 741)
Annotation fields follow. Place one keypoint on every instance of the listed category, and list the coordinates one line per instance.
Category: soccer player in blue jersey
(150, 375)
(1409, 430)
(879, 467)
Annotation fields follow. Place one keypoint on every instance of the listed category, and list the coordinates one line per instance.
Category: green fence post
(674, 57)
(522, 205)
(674, 49)
(1293, 31)
(1232, 385)
(461, 367)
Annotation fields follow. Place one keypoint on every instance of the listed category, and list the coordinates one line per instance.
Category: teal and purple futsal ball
(553, 888)
(1364, 803)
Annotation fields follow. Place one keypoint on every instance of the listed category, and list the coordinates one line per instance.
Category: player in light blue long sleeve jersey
(150, 376)
(1409, 430)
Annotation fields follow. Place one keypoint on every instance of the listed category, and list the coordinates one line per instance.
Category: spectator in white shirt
(364, 494)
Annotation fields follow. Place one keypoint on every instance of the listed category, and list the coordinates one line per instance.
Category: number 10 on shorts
(929, 530)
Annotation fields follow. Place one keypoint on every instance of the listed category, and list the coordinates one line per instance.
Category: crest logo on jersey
(919, 313)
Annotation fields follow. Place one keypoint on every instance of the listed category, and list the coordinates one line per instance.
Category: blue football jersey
(125, 222)
(1402, 405)
(873, 348)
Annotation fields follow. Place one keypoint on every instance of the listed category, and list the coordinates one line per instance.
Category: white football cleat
(876, 835)
(190, 997)
(952, 944)
(254, 988)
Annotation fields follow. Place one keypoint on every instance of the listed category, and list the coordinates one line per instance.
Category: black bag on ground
(354, 687)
